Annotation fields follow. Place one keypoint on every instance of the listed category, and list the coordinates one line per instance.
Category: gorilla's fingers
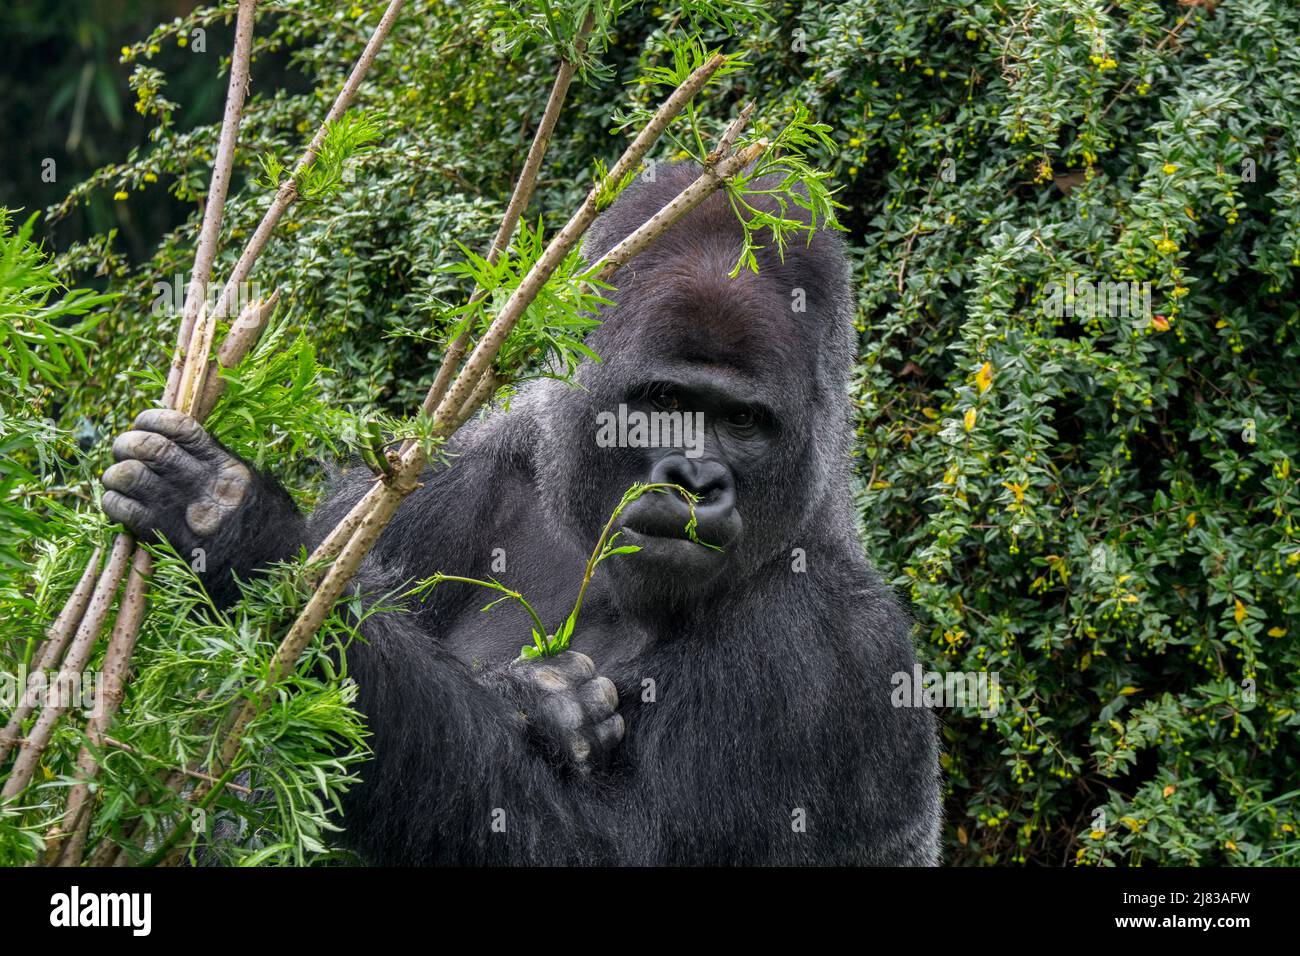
(545, 678)
(182, 429)
(599, 696)
(162, 455)
(134, 479)
(609, 732)
(562, 712)
(576, 667)
(129, 512)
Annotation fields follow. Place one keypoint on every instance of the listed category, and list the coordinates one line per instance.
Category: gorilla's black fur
(755, 696)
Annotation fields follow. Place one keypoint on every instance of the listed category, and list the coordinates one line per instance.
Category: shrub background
(1101, 510)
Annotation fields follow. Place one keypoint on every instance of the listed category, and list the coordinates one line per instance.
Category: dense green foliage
(1096, 506)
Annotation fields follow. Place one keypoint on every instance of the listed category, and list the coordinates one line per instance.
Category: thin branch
(288, 191)
(485, 351)
(240, 340)
(712, 179)
(728, 139)
(519, 200)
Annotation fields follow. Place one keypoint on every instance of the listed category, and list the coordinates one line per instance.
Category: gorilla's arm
(469, 764)
(456, 777)
(472, 764)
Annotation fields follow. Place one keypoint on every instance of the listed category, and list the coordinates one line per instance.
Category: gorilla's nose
(711, 480)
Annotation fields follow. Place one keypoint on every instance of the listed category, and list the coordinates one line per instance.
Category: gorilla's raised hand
(570, 711)
(173, 480)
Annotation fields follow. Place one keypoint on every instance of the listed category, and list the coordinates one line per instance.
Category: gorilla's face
(713, 438)
(704, 385)
(730, 388)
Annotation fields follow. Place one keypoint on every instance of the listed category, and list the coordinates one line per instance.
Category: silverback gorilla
(727, 707)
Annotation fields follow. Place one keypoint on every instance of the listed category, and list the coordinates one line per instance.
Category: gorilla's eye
(742, 419)
(664, 399)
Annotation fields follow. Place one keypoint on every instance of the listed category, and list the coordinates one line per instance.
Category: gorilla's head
(732, 388)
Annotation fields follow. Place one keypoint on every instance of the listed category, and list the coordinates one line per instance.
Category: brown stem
(117, 659)
(51, 652)
(485, 351)
(523, 194)
(288, 191)
(210, 231)
(712, 179)
(239, 341)
(74, 662)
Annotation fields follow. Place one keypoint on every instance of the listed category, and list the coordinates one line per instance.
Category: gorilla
(723, 706)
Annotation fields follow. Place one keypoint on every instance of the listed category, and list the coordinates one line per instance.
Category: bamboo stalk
(559, 247)
(239, 341)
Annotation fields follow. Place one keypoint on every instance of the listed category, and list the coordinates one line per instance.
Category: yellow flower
(972, 35)
(984, 377)
(150, 178)
(969, 419)
(1239, 611)
(1277, 632)
(119, 195)
(1169, 169)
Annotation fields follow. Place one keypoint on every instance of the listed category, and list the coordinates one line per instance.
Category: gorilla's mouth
(657, 525)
